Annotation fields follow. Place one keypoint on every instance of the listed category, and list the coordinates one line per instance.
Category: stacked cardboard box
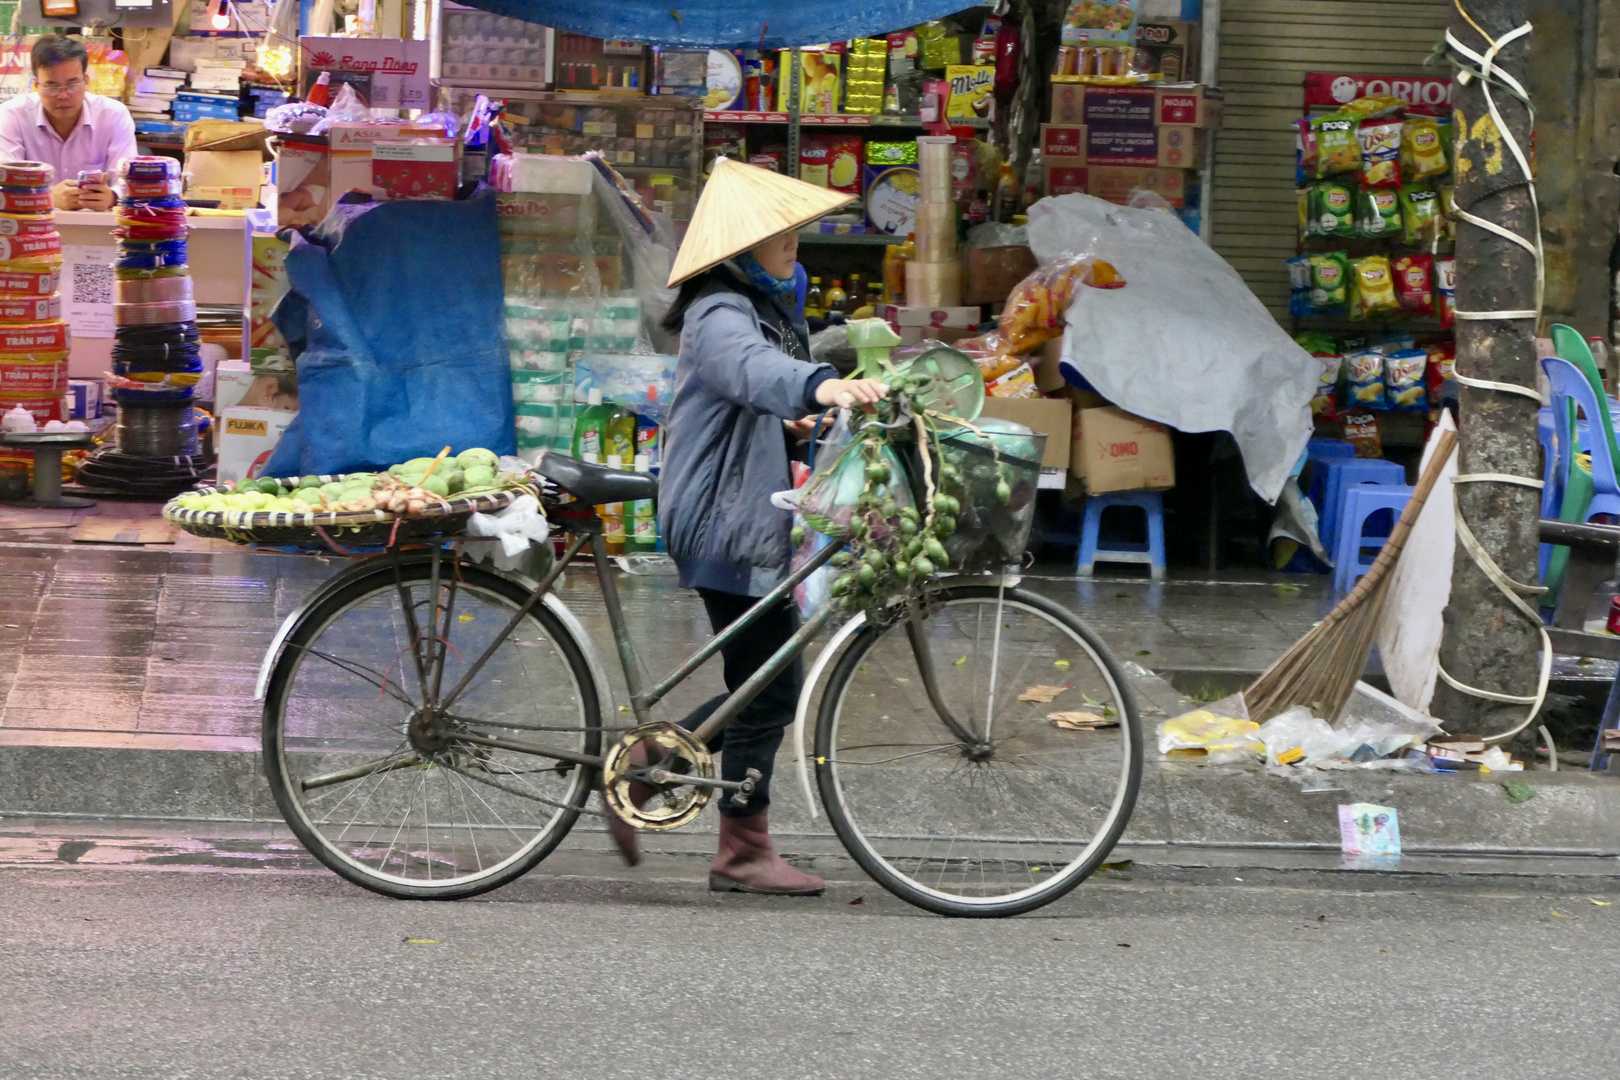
(1107, 140)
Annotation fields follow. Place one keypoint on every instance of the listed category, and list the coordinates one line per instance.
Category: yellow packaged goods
(818, 93)
(1034, 310)
(1019, 382)
(1374, 284)
(971, 86)
(1202, 733)
(1422, 155)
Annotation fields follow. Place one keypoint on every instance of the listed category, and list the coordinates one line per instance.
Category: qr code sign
(92, 283)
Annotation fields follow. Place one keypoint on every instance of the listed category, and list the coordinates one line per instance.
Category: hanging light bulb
(276, 61)
(218, 18)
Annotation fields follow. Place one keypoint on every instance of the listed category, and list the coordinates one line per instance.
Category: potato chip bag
(1299, 287)
(1330, 281)
(1325, 404)
(1332, 209)
(1361, 431)
(1364, 372)
(1305, 144)
(1404, 386)
(1445, 289)
(1374, 106)
(1422, 156)
(1375, 284)
(1414, 283)
(1337, 148)
(1378, 213)
(1442, 366)
(1448, 212)
(1380, 153)
(1420, 211)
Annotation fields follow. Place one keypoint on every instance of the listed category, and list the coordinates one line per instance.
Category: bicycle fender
(834, 647)
(273, 653)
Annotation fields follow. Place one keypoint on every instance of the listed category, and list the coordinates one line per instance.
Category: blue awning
(724, 23)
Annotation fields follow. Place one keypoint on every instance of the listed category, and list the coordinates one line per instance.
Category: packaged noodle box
(971, 86)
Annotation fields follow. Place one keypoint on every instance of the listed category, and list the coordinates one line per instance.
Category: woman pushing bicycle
(743, 386)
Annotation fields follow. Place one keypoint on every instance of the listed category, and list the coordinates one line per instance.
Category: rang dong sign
(398, 69)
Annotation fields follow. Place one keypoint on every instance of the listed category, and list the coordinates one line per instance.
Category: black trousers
(751, 740)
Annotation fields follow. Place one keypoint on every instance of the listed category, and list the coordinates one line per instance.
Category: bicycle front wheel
(393, 802)
(980, 798)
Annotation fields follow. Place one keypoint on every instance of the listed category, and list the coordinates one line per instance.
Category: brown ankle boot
(747, 862)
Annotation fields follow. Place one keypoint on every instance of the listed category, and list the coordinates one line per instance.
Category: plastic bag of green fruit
(859, 495)
(989, 473)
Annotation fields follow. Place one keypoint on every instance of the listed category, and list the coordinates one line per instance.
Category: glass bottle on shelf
(837, 299)
(814, 303)
(856, 294)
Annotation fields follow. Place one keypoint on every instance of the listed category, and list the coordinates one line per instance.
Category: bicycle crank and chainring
(667, 747)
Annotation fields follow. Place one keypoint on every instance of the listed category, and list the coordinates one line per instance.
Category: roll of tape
(39, 337)
(29, 247)
(28, 309)
(166, 311)
(29, 173)
(16, 201)
(150, 189)
(27, 224)
(152, 290)
(25, 283)
(149, 167)
(933, 284)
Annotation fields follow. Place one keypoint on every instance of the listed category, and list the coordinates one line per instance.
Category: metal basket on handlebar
(991, 532)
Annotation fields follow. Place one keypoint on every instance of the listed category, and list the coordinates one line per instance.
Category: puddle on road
(157, 853)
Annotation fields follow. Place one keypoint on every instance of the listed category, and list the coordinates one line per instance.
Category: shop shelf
(830, 120)
(850, 239)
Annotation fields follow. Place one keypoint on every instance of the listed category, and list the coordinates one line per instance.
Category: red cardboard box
(1063, 143)
(414, 169)
(1171, 147)
(1066, 179)
(1136, 106)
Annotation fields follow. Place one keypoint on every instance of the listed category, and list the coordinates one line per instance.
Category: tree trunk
(1488, 643)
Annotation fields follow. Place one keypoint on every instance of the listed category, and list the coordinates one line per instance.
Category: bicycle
(434, 728)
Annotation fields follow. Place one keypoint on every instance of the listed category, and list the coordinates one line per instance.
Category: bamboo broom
(1322, 668)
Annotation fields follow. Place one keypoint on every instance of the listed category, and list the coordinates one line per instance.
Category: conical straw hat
(743, 205)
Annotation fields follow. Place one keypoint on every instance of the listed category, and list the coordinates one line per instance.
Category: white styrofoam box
(246, 438)
(232, 380)
(546, 174)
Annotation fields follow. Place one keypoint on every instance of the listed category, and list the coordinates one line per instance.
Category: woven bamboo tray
(361, 528)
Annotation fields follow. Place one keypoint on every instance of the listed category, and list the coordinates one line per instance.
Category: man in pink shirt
(66, 127)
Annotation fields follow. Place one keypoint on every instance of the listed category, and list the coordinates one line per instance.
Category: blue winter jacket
(744, 368)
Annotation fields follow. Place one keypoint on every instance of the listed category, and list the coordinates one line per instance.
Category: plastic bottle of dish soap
(641, 533)
(647, 433)
(621, 436)
(612, 515)
(590, 429)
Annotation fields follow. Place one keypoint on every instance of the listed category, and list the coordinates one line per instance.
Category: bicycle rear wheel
(402, 810)
(981, 805)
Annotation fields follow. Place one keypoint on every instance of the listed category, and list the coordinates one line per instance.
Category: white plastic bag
(516, 527)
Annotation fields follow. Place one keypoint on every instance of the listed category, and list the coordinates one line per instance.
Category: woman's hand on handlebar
(848, 393)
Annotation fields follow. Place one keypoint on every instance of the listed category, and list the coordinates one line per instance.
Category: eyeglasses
(72, 86)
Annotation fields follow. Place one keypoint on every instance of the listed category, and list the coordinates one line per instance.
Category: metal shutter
(1266, 47)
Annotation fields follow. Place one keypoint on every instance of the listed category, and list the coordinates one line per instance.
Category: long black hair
(690, 289)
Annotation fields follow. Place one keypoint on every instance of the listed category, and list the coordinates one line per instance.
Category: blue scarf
(748, 269)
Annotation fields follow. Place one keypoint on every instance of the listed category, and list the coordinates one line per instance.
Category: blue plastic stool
(1151, 554)
(1360, 504)
(1342, 475)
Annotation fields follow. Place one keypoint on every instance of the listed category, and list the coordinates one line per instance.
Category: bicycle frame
(431, 668)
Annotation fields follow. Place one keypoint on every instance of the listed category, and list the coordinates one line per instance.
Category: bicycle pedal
(750, 780)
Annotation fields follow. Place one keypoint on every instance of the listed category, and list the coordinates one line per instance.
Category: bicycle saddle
(595, 484)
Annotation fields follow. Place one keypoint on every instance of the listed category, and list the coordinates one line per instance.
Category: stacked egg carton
(33, 337)
(157, 358)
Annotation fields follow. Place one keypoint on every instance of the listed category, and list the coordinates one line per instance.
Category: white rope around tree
(1484, 68)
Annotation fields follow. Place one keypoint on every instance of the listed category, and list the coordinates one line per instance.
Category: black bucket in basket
(992, 532)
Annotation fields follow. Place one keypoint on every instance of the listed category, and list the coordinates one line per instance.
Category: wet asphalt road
(178, 974)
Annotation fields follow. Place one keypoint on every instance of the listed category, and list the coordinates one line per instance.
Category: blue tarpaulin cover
(393, 313)
(729, 24)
